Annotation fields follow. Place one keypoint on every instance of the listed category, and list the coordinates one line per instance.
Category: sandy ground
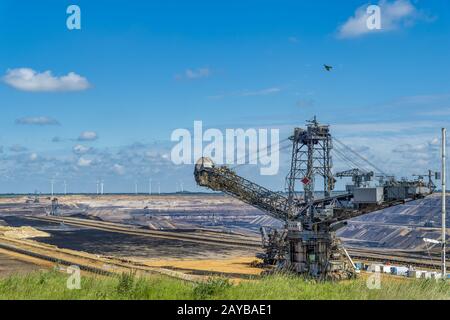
(10, 264)
(172, 211)
(240, 265)
(154, 252)
(186, 202)
(22, 232)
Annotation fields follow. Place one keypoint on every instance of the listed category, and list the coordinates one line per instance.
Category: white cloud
(119, 169)
(394, 153)
(80, 149)
(425, 99)
(83, 162)
(18, 148)
(305, 103)
(194, 74)
(384, 127)
(247, 93)
(263, 92)
(427, 153)
(39, 121)
(437, 112)
(394, 15)
(27, 79)
(115, 165)
(88, 136)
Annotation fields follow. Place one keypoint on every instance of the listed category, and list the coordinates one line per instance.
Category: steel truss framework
(310, 243)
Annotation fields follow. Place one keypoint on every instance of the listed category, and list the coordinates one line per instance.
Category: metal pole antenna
(444, 229)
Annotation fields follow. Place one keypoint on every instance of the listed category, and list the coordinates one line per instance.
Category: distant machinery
(34, 198)
(54, 208)
(308, 244)
(359, 178)
(430, 175)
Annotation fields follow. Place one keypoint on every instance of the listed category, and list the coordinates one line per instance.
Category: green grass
(52, 285)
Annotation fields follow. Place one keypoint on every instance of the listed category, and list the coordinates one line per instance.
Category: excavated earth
(402, 227)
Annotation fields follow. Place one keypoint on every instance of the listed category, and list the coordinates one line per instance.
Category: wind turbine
(150, 186)
(181, 186)
(135, 187)
(52, 182)
(101, 187)
(65, 187)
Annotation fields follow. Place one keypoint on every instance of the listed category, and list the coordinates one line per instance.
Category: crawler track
(199, 237)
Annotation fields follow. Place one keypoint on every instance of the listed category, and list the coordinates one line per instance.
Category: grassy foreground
(52, 285)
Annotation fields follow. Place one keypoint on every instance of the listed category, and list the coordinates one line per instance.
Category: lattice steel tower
(311, 157)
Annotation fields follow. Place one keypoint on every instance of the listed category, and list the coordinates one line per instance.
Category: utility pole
(444, 204)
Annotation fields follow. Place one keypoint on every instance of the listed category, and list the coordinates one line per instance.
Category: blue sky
(142, 69)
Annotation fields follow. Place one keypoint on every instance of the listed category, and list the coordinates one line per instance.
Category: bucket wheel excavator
(308, 244)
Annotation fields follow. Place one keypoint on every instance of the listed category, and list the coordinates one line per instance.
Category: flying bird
(327, 67)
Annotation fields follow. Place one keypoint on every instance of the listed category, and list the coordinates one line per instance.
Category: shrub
(126, 283)
(213, 286)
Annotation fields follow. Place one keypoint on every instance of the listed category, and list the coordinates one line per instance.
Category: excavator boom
(308, 243)
(225, 180)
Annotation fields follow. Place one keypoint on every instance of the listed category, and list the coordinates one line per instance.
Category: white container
(416, 274)
(368, 195)
(436, 275)
(374, 268)
(413, 274)
(402, 271)
(386, 269)
(417, 191)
